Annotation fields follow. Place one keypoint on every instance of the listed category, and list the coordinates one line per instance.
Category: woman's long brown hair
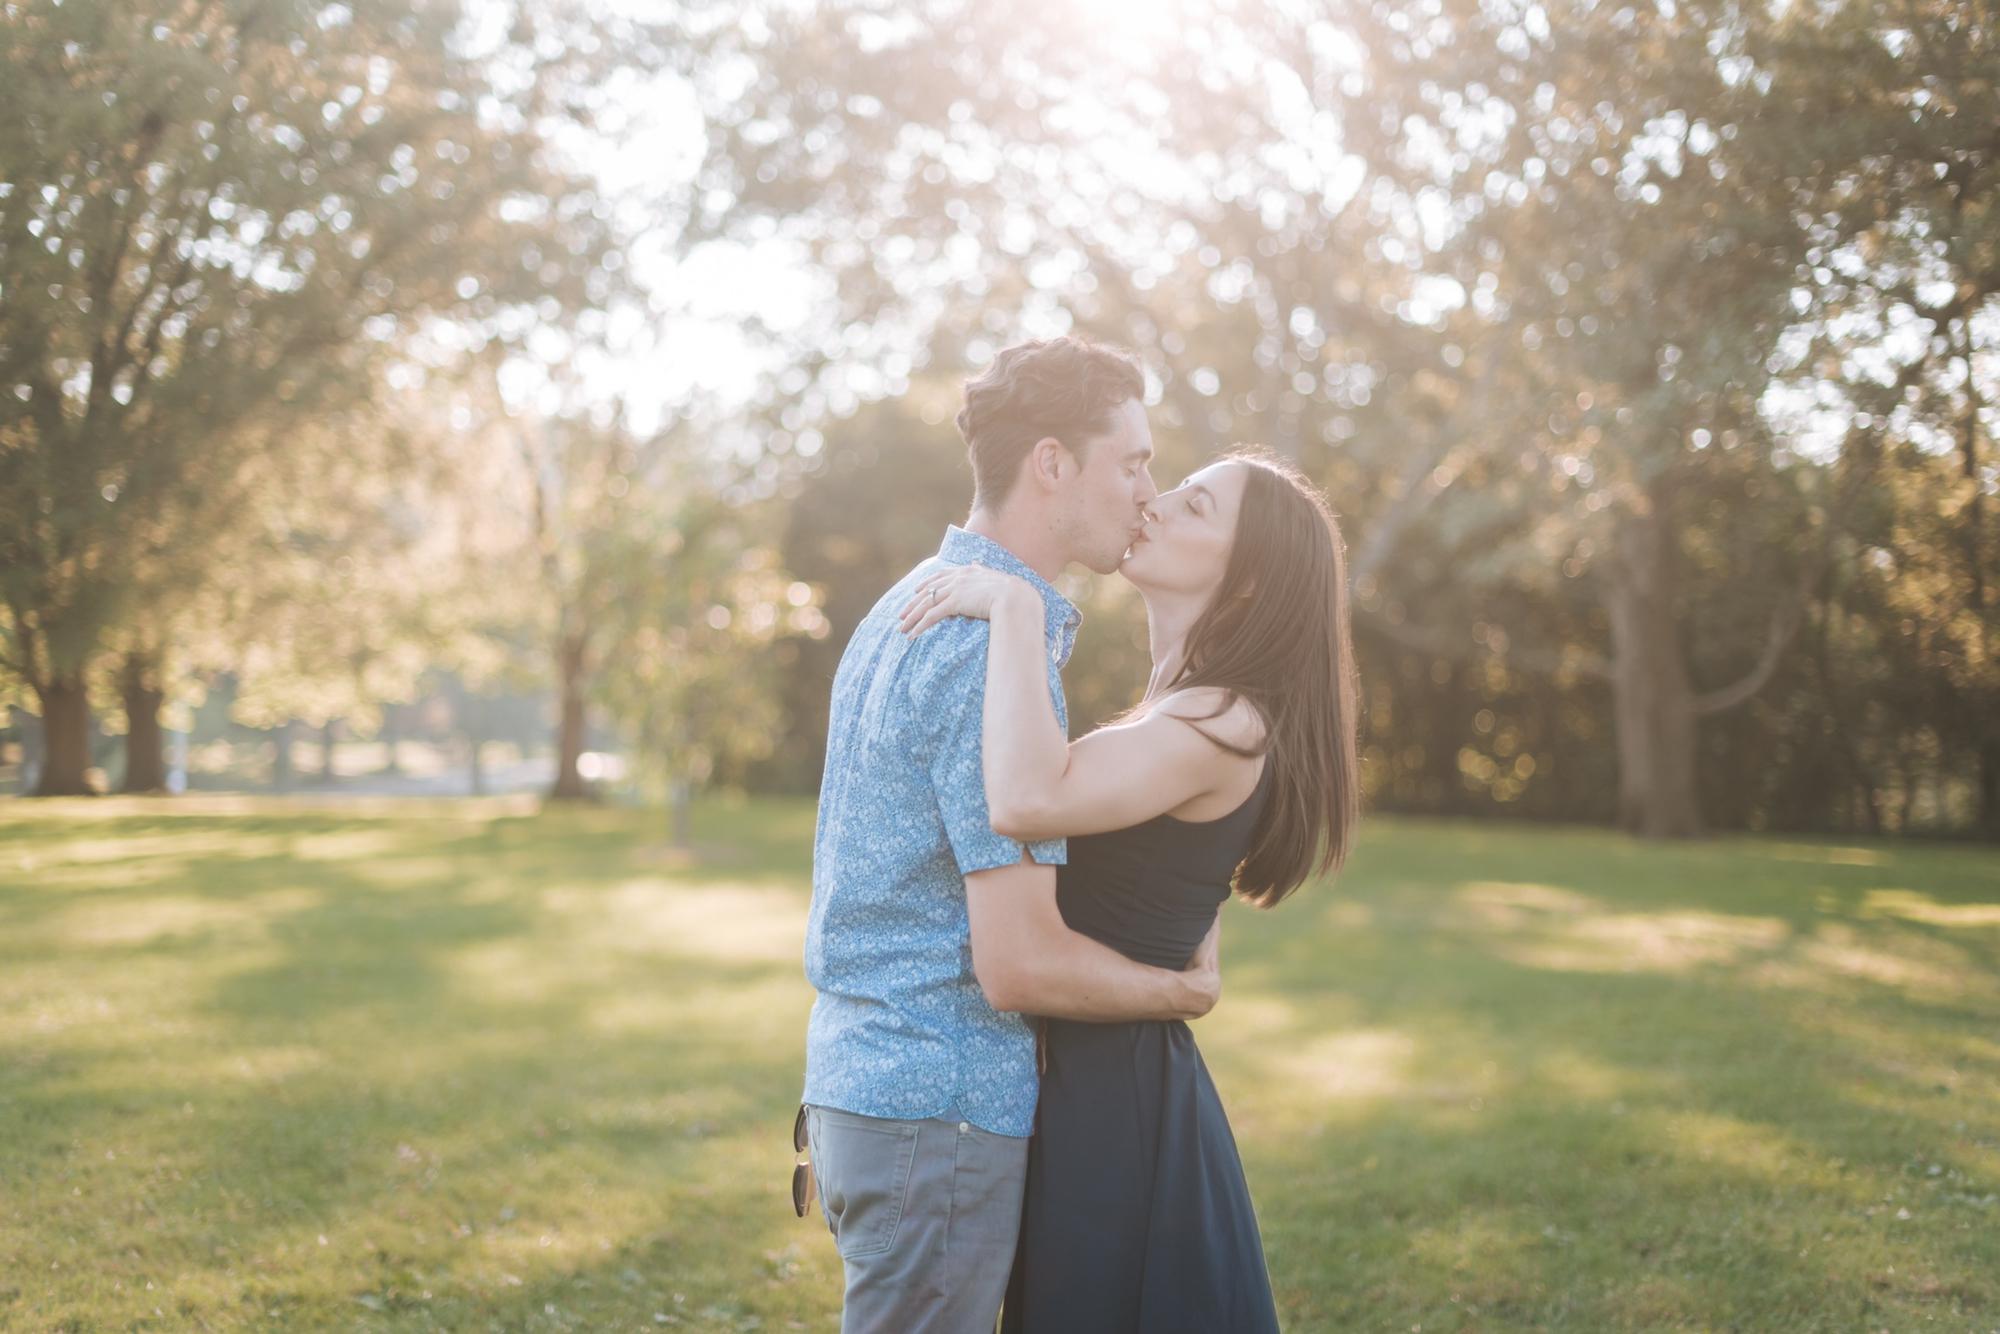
(1276, 634)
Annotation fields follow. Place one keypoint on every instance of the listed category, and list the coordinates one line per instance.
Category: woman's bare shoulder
(1234, 720)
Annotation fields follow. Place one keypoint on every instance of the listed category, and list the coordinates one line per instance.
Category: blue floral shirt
(901, 1028)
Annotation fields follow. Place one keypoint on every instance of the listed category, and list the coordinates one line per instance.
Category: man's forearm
(1075, 977)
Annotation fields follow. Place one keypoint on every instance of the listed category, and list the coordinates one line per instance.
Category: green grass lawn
(465, 1066)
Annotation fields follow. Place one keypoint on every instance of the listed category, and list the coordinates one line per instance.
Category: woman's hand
(965, 590)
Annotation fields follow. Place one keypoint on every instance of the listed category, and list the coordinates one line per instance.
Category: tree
(660, 591)
(373, 550)
(692, 679)
(1518, 283)
(1898, 171)
(210, 229)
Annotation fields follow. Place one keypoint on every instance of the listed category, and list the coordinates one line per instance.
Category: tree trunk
(65, 738)
(281, 757)
(392, 735)
(1989, 787)
(326, 740)
(1986, 735)
(31, 730)
(570, 664)
(477, 747)
(682, 802)
(1873, 799)
(1653, 702)
(145, 742)
(1908, 810)
(1871, 796)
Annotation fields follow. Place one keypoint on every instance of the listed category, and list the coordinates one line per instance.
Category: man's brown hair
(1063, 387)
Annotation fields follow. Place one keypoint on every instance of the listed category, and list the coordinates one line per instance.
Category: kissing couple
(1009, 930)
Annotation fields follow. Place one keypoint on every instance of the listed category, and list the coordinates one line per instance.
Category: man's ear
(1048, 462)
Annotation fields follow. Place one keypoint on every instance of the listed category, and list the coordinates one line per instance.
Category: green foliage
(216, 229)
(658, 586)
(219, 225)
(1647, 354)
(689, 670)
(1538, 294)
(873, 502)
(380, 549)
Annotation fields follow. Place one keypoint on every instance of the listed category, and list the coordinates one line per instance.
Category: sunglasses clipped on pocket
(802, 1173)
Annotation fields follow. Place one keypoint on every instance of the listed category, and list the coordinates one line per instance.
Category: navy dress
(1137, 1219)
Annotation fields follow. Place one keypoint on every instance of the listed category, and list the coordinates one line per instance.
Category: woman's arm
(1023, 750)
(1040, 785)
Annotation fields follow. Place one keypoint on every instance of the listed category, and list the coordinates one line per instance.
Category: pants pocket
(864, 1167)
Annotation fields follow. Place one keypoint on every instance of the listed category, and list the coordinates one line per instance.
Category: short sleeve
(950, 696)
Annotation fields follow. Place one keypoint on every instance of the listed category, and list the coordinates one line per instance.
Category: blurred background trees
(405, 367)
(220, 221)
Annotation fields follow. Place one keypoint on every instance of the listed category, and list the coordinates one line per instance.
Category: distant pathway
(535, 774)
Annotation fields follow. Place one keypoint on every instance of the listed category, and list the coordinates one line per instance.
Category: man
(929, 932)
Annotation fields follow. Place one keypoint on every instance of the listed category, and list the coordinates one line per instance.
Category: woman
(1237, 770)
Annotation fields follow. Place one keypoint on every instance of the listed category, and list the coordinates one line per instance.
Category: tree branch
(1785, 622)
(1419, 480)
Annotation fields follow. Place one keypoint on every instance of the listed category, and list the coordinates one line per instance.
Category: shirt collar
(1060, 616)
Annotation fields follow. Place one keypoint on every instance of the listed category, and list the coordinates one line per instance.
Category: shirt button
(965, 1127)
(1055, 653)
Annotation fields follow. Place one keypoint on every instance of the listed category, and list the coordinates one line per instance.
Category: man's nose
(1147, 490)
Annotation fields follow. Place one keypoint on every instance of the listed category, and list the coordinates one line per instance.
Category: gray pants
(925, 1215)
